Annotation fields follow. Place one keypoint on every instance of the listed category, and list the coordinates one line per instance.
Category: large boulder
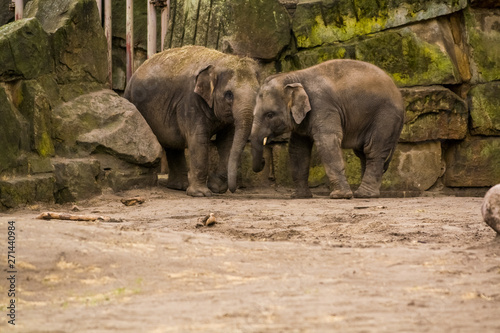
(76, 179)
(14, 137)
(484, 101)
(104, 122)
(433, 113)
(26, 190)
(35, 105)
(318, 22)
(78, 41)
(474, 162)
(24, 50)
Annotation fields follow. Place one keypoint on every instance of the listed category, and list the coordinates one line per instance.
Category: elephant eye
(270, 115)
(228, 95)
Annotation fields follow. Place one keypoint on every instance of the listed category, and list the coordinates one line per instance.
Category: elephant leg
(362, 158)
(378, 155)
(329, 149)
(177, 169)
(372, 178)
(198, 167)
(217, 182)
(378, 150)
(299, 150)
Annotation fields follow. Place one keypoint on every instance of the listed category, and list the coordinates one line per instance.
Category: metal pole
(130, 38)
(165, 17)
(109, 37)
(151, 28)
(99, 7)
(18, 14)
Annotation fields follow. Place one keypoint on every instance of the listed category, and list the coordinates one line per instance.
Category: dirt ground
(269, 264)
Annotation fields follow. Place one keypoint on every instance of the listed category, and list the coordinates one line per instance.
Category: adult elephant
(337, 104)
(187, 95)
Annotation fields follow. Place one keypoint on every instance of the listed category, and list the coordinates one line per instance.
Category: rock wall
(443, 54)
(63, 136)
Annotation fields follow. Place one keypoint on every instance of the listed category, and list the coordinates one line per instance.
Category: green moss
(484, 39)
(484, 101)
(316, 23)
(409, 60)
(45, 146)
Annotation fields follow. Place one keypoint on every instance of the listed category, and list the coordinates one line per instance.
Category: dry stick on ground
(72, 217)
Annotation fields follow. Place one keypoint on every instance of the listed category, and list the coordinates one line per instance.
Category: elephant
(190, 96)
(338, 104)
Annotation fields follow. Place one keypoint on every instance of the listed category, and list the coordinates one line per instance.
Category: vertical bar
(151, 28)
(165, 17)
(99, 7)
(109, 37)
(130, 38)
(18, 14)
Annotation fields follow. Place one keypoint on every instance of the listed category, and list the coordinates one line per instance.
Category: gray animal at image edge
(188, 95)
(491, 208)
(336, 104)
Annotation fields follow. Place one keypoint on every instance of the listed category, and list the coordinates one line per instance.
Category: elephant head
(229, 87)
(279, 108)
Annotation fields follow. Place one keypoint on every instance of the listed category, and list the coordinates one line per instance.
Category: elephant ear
(298, 101)
(205, 84)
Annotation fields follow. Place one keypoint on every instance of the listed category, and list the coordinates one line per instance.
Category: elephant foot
(217, 185)
(177, 184)
(339, 194)
(199, 191)
(301, 194)
(366, 193)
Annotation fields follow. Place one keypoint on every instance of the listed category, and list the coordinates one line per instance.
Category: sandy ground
(269, 264)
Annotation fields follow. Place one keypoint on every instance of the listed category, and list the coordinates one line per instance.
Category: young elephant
(336, 104)
(187, 96)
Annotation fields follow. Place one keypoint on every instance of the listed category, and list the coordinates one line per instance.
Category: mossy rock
(433, 113)
(409, 59)
(36, 108)
(77, 38)
(414, 167)
(20, 191)
(484, 101)
(474, 162)
(483, 34)
(76, 179)
(14, 137)
(318, 22)
(24, 50)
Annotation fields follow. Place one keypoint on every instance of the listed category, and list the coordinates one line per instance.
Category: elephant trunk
(257, 142)
(243, 126)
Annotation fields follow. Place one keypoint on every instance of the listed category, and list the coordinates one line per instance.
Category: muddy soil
(268, 264)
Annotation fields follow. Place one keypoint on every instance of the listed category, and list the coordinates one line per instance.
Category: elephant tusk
(265, 141)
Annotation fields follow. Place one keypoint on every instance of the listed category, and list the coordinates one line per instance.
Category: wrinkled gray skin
(336, 104)
(187, 96)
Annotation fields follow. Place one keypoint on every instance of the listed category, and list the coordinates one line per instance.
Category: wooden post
(18, 13)
(130, 39)
(109, 38)
(151, 28)
(99, 7)
(165, 17)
